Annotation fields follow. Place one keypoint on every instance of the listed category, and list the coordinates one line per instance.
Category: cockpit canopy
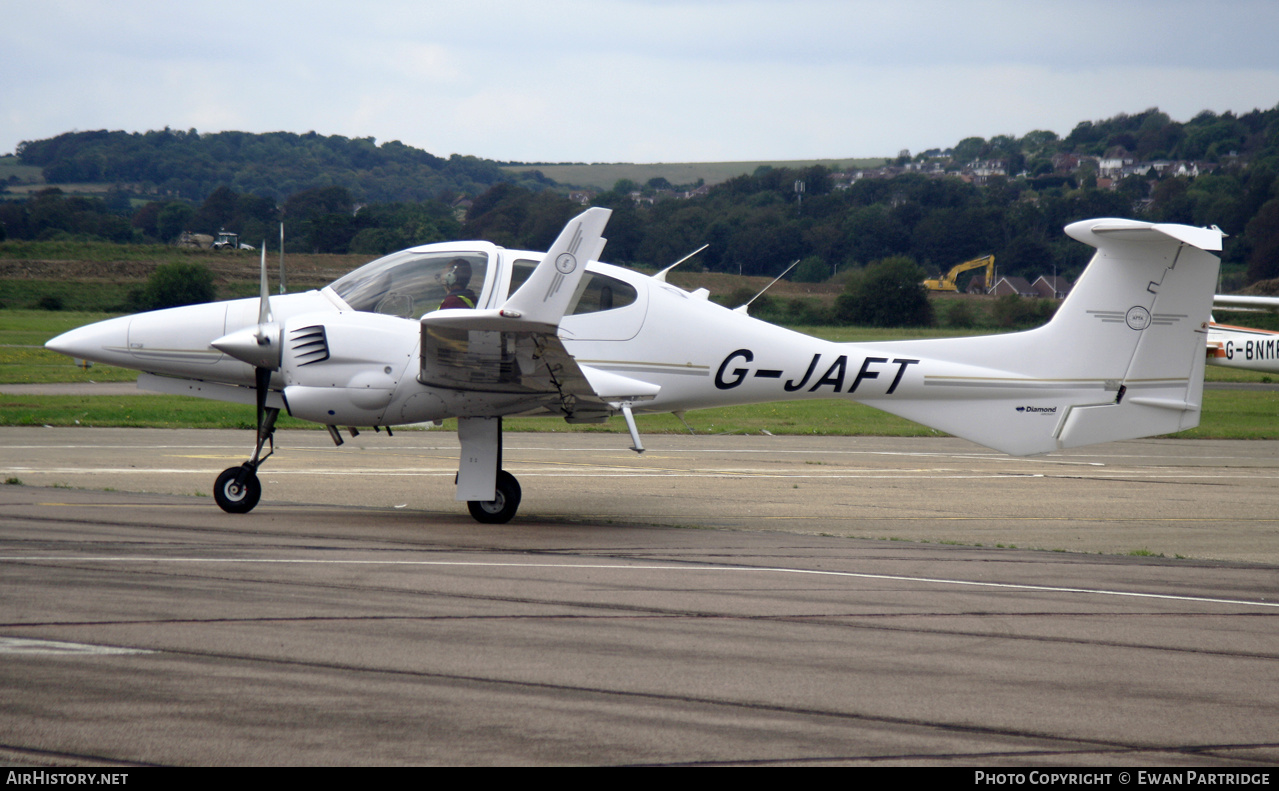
(413, 283)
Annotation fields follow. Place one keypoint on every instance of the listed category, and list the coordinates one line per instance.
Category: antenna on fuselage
(661, 276)
(282, 282)
(742, 308)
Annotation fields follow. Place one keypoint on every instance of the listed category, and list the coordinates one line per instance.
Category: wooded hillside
(1008, 196)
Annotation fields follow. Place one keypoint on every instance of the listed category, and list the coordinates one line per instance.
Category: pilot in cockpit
(457, 278)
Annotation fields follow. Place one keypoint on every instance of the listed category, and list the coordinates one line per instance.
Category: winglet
(545, 295)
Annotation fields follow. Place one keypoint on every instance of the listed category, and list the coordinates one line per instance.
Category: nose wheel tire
(500, 509)
(237, 498)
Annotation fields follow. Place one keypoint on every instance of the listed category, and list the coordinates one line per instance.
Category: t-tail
(1122, 358)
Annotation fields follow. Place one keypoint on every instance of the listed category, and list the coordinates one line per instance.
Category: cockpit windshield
(412, 284)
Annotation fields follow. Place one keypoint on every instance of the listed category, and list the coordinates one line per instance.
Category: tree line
(753, 223)
(319, 220)
(191, 165)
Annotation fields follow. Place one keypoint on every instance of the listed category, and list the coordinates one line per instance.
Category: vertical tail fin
(1163, 381)
(1122, 358)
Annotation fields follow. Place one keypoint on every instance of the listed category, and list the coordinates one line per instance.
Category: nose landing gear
(238, 489)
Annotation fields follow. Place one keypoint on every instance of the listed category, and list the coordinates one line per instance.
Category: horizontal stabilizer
(1233, 302)
(1137, 231)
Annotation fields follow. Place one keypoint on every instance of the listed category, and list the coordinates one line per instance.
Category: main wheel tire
(500, 509)
(237, 498)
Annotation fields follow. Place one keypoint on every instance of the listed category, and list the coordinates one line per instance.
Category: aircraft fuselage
(473, 331)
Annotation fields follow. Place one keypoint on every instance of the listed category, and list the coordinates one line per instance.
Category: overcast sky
(629, 80)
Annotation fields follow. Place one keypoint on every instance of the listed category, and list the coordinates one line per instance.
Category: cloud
(634, 80)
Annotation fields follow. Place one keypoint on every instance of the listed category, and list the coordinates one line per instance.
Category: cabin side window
(595, 292)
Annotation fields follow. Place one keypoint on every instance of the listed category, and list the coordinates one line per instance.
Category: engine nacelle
(344, 369)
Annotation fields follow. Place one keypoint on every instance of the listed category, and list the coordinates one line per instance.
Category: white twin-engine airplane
(405, 340)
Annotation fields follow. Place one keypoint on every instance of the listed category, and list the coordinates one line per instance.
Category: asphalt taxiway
(738, 600)
(1202, 499)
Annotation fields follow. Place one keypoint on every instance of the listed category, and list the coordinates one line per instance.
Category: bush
(177, 284)
(960, 314)
(887, 293)
(806, 311)
(813, 269)
(1011, 311)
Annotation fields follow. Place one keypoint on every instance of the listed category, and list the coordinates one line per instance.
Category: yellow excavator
(947, 281)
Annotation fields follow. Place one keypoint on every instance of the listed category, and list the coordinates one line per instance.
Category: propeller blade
(283, 285)
(258, 346)
(264, 308)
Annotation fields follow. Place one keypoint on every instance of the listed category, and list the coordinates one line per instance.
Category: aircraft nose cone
(104, 342)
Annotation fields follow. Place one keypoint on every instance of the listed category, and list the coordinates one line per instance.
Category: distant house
(1051, 287)
(977, 284)
(460, 207)
(981, 172)
(1065, 163)
(1114, 162)
(1013, 285)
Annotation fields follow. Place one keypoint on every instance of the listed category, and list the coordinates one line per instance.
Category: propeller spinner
(258, 346)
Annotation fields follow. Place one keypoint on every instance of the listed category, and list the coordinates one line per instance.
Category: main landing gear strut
(491, 493)
(238, 489)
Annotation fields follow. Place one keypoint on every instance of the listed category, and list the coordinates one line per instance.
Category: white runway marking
(530, 470)
(684, 568)
(388, 447)
(974, 454)
(577, 472)
(18, 645)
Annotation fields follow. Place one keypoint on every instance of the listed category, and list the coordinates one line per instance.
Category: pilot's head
(458, 274)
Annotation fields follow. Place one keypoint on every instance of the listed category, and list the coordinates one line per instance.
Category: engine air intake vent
(309, 344)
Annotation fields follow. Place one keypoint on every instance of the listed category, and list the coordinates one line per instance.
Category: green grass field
(24, 360)
(1227, 414)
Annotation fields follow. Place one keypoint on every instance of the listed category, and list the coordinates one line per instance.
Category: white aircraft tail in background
(1244, 347)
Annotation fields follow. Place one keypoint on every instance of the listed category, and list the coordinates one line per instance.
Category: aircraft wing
(516, 350)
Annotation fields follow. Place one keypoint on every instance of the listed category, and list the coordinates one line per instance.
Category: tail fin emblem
(1137, 317)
